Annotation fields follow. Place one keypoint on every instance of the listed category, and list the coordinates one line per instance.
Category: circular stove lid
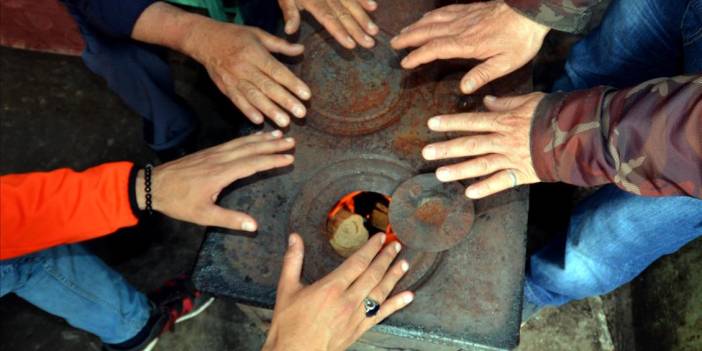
(355, 92)
(429, 215)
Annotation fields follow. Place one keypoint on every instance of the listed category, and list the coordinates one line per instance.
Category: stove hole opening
(355, 217)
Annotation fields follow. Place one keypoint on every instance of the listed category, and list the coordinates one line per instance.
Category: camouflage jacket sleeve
(566, 15)
(647, 139)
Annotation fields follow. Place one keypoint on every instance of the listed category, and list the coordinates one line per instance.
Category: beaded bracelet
(147, 187)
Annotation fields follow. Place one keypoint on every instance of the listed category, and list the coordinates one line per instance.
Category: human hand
(329, 314)
(489, 31)
(239, 61)
(502, 148)
(346, 20)
(187, 188)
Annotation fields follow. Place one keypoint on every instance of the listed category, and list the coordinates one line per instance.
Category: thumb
(279, 45)
(482, 74)
(224, 218)
(291, 15)
(504, 104)
(292, 267)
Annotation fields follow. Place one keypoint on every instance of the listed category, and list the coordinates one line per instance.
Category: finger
(261, 148)
(278, 45)
(420, 35)
(328, 19)
(264, 104)
(476, 167)
(246, 167)
(384, 288)
(235, 144)
(391, 305)
(485, 73)
(289, 281)
(279, 95)
(252, 113)
(361, 17)
(440, 48)
(462, 147)
(369, 5)
(221, 217)
(466, 122)
(375, 272)
(281, 74)
(497, 182)
(357, 263)
(505, 104)
(352, 27)
(291, 14)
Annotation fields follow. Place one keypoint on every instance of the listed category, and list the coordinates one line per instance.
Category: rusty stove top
(364, 131)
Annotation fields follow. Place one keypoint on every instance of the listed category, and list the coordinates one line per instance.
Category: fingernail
(350, 41)
(408, 298)
(248, 226)
(257, 118)
(373, 4)
(404, 29)
(382, 238)
(289, 157)
(291, 241)
(429, 152)
(289, 140)
(435, 122)
(373, 27)
(298, 111)
(288, 27)
(259, 132)
(397, 247)
(472, 193)
(368, 39)
(404, 266)
(404, 61)
(304, 94)
(277, 133)
(490, 98)
(443, 174)
(469, 86)
(281, 119)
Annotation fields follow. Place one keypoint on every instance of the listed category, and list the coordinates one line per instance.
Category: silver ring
(370, 307)
(514, 177)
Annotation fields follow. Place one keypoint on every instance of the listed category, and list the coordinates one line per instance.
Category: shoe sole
(194, 313)
(183, 318)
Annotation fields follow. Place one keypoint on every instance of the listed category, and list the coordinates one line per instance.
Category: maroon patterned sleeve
(566, 15)
(647, 139)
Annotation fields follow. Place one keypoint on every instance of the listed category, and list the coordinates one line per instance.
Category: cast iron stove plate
(365, 130)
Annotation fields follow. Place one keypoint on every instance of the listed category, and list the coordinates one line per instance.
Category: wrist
(139, 190)
(166, 25)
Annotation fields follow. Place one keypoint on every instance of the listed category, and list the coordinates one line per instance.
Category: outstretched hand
(346, 20)
(501, 151)
(187, 188)
(489, 31)
(329, 315)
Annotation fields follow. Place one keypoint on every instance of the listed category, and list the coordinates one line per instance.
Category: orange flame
(346, 202)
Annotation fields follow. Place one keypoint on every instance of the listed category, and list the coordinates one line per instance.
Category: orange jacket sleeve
(45, 209)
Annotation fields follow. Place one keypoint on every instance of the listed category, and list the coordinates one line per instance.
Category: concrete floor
(55, 113)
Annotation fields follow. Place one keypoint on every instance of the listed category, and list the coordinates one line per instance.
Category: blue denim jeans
(69, 282)
(613, 236)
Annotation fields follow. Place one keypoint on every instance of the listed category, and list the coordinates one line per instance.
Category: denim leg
(69, 282)
(637, 40)
(141, 76)
(692, 37)
(613, 236)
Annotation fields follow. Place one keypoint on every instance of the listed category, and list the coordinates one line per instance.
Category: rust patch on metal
(432, 212)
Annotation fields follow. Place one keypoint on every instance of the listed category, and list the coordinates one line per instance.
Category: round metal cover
(357, 91)
(429, 215)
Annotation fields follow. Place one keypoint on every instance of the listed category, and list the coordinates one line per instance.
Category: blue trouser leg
(613, 236)
(637, 40)
(142, 78)
(69, 282)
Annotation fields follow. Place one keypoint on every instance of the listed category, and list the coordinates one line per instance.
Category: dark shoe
(176, 301)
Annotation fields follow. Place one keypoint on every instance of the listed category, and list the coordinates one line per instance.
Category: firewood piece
(347, 233)
(379, 217)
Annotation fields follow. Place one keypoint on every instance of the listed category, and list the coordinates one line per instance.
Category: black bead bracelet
(147, 187)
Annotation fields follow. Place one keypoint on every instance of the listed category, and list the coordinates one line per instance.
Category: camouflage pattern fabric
(647, 139)
(566, 15)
